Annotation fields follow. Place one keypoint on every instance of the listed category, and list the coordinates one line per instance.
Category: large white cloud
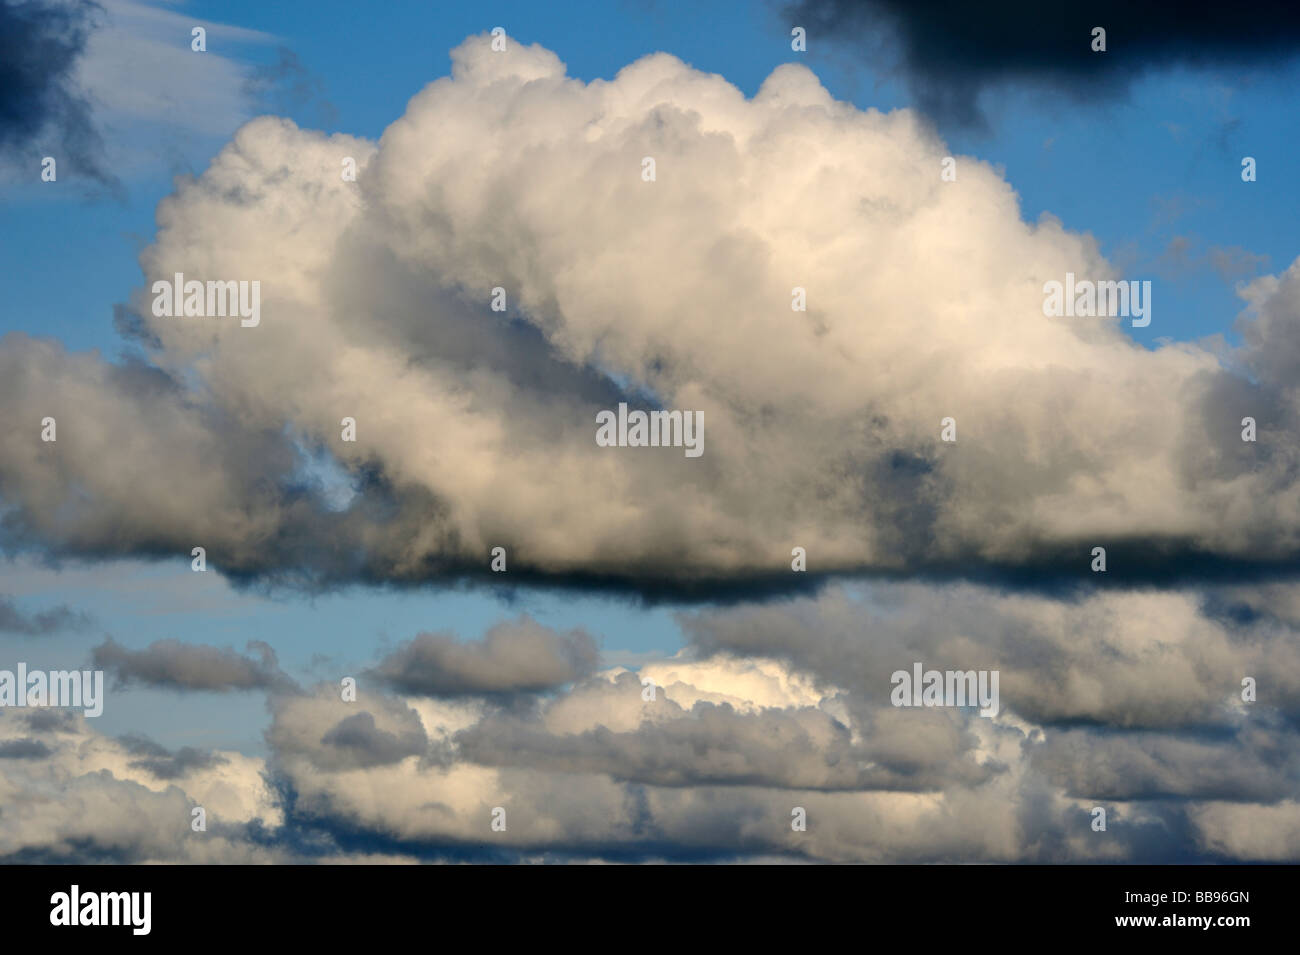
(476, 429)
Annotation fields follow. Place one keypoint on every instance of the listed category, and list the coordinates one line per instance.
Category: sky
(520, 166)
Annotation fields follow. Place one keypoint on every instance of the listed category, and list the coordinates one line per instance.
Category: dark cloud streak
(41, 108)
(950, 52)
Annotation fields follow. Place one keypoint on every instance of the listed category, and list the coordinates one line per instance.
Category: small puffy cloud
(175, 665)
(517, 657)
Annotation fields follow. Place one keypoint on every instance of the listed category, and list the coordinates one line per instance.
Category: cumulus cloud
(476, 429)
(597, 772)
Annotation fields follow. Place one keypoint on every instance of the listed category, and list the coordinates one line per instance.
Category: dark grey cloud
(23, 749)
(384, 732)
(41, 623)
(1250, 764)
(42, 111)
(163, 763)
(51, 720)
(174, 665)
(367, 745)
(950, 52)
(517, 657)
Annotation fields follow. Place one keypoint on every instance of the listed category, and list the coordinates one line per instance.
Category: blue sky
(1161, 167)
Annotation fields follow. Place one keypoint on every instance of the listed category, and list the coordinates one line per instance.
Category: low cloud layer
(1127, 701)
